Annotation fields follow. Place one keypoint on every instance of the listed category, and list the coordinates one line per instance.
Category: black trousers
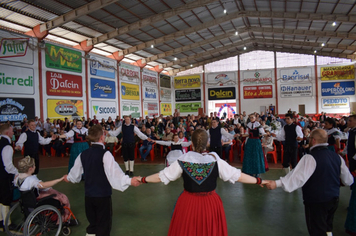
(37, 161)
(218, 150)
(290, 156)
(6, 190)
(320, 216)
(128, 151)
(99, 214)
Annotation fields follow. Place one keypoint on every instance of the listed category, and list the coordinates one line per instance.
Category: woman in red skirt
(199, 210)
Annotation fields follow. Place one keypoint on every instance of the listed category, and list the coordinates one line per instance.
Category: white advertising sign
(129, 73)
(16, 49)
(15, 79)
(150, 93)
(166, 95)
(150, 109)
(221, 79)
(297, 75)
(131, 109)
(257, 77)
(149, 78)
(335, 102)
(104, 109)
(296, 90)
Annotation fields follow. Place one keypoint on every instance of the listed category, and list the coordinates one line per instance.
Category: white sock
(329, 233)
(132, 166)
(126, 165)
(4, 211)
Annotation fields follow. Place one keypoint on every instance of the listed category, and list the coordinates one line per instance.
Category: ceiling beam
(75, 13)
(148, 21)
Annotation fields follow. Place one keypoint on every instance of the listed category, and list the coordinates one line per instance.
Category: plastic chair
(242, 151)
(231, 153)
(273, 153)
(282, 152)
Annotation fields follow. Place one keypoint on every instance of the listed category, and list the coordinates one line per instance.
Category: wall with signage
(336, 88)
(64, 89)
(296, 86)
(18, 78)
(150, 93)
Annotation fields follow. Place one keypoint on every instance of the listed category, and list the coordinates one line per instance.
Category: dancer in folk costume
(199, 210)
(334, 135)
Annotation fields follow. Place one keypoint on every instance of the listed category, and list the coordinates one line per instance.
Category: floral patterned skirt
(198, 214)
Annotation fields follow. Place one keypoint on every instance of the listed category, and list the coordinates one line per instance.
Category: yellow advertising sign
(337, 72)
(59, 109)
(130, 91)
(166, 109)
(190, 81)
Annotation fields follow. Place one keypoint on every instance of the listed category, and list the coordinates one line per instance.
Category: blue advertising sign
(150, 93)
(102, 67)
(338, 88)
(102, 88)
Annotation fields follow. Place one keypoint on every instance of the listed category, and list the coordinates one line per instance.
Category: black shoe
(12, 227)
(2, 229)
(127, 172)
(131, 174)
(144, 159)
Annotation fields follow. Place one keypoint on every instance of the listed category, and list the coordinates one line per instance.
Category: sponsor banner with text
(150, 109)
(100, 88)
(298, 75)
(166, 95)
(131, 109)
(16, 49)
(150, 93)
(102, 67)
(257, 77)
(59, 109)
(60, 84)
(335, 102)
(338, 88)
(103, 109)
(130, 91)
(263, 91)
(337, 72)
(188, 107)
(149, 78)
(164, 81)
(15, 79)
(188, 81)
(188, 95)
(166, 109)
(221, 79)
(16, 109)
(296, 90)
(129, 73)
(63, 58)
(222, 93)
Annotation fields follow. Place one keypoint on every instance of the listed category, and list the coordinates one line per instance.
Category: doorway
(302, 110)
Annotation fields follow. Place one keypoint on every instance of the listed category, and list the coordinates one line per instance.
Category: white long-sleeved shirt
(281, 136)
(223, 133)
(305, 169)
(136, 130)
(255, 125)
(41, 140)
(71, 133)
(169, 143)
(116, 177)
(6, 154)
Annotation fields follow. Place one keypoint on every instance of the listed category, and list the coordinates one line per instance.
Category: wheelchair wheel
(66, 231)
(17, 220)
(44, 220)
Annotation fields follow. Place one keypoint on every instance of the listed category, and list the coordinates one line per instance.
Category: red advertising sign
(263, 91)
(59, 84)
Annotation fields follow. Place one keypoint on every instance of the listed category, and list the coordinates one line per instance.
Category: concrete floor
(146, 210)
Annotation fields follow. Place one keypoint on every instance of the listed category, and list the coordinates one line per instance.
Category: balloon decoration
(228, 106)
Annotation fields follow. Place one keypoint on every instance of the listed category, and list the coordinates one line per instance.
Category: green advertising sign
(63, 58)
(188, 107)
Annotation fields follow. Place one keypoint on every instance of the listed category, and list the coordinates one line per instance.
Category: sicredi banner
(337, 72)
(131, 109)
(102, 67)
(222, 93)
(188, 107)
(166, 95)
(338, 88)
(63, 58)
(130, 91)
(16, 109)
(60, 84)
(150, 109)
(188, 95)
(104, 109)
(189, 81)
(16, 80)
(59, 109)
(335, 102)
(150, 93)
(297, 75)
(100, 88)
(296, 90)
(149, 78)
(164, 81)
(129, 73)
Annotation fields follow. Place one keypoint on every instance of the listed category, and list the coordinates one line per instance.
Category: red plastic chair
(273, 153)
(282, 152)
(242, 151)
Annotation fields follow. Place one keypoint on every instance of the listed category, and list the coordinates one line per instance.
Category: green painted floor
(250, 210)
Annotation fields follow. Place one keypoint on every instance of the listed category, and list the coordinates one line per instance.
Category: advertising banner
(166, 109)
(102, 67)
(100, 88)
(130, 91)
(296, 90)
(149, 78)
(16, 49)
(166, 95)
(335, 103)
(188, 107)
(129, 73)
(263, 91)
(188, 95)
(59, 109)
(299, 75)
(131, 109)
(222, 93)
(338, 88)
(257, 77)
(15, 79)
(103, 109)
(63, 58)
(164, 81)
(150, 93)
(337, 72)
(221, 79)
(16, 109)
(150, 109)
(188, 81)
(60, 84)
